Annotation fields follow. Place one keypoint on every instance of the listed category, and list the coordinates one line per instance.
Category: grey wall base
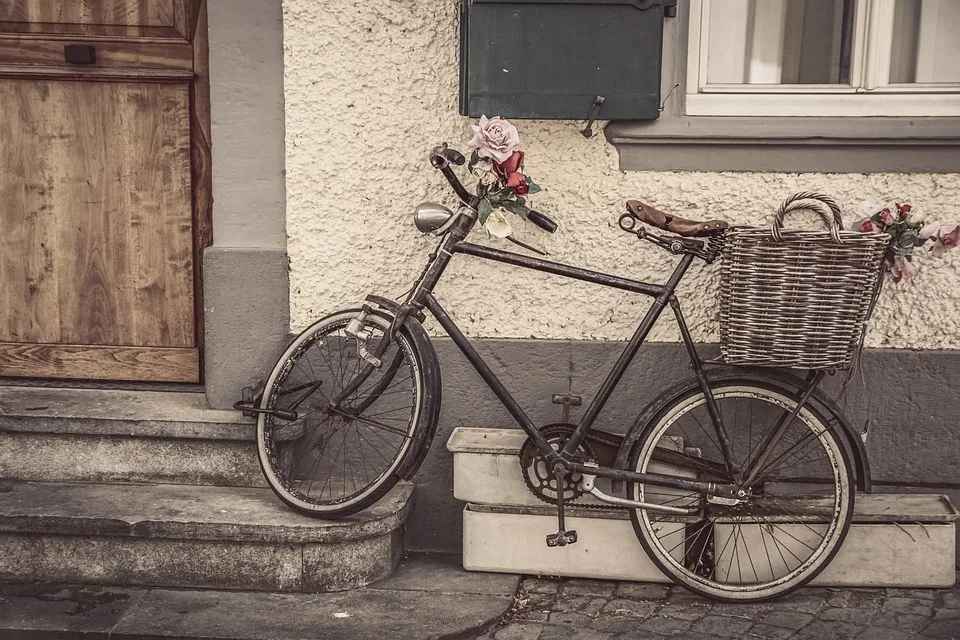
(247, 318)
(908, 398)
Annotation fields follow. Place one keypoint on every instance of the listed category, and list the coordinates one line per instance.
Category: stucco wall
(370, 87)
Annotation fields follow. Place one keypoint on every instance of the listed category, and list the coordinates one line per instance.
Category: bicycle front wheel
(334, 461)
(793, 518)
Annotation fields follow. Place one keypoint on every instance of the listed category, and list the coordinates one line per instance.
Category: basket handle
(824, 205)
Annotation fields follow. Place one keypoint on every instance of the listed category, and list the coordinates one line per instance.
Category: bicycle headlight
(431, 217)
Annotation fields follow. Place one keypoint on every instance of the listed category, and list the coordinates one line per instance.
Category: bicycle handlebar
(442, 156)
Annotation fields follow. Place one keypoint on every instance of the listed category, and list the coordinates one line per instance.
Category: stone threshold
(428, 597)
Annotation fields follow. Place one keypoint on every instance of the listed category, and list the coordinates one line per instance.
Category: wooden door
(104, 188)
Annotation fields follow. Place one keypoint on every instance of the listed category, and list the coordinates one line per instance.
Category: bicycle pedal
(561, 538)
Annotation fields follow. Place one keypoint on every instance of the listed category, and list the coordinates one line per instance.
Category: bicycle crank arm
(589, 485)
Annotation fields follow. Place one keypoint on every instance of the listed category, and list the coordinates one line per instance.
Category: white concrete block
(512, 540)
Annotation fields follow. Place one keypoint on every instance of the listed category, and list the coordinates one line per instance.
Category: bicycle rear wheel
(793, 519)
(334, 461)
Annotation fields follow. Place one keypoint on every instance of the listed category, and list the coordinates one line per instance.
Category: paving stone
(787, 619)
(903, 621)
(639, 591)
(542, 585)
(589, 605)
(666, 626)
(618, 626)
(951, 599)
(551, 632)
(909, 606)
(946, 630)
(752, 611)
(536, 616)
(519, 632)
(589, 588)
(859, 599)
(770, 633)
(915, 594)
(724, 627)
(880, 633)
(853, 616)
(947, 614)
(569, 618)
(803, 602)
(630, 608)
(682, 611)
(830, 630)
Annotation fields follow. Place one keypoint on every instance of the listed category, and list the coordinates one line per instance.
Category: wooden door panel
(97, 238)
(144, 13)
(48, 51)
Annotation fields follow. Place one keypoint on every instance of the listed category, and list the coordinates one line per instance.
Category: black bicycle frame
(663, 295)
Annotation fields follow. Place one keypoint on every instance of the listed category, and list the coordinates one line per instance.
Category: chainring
(537, 475)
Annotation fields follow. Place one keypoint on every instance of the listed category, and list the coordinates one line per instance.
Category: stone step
(100, 435)
(427, 597)
(191, 536)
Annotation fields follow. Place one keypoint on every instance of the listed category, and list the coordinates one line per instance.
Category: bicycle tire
(706, 574)
(401, 460)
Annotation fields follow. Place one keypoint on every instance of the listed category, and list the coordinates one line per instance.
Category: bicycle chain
(530, 459)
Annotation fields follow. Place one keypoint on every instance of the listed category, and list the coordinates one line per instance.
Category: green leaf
(474, 159)
(484, 209)
(514, 207)
(534, 189)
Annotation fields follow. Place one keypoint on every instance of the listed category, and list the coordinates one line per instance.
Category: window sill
(794, 145)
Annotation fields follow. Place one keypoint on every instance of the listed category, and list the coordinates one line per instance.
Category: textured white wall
(372, 86)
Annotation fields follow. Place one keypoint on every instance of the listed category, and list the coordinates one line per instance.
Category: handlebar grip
(454, 156)
(542, 221)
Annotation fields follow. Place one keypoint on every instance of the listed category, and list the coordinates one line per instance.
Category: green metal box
(551, 59)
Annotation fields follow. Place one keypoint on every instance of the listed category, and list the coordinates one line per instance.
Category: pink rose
(495, 138)
(947, 237)
(869, 226)
(903, 211)
(886, 217)
(902, 269)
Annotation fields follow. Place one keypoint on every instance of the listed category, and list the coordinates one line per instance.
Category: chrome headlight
(432, 218)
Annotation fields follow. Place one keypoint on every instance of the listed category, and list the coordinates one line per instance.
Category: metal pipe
(560, 269)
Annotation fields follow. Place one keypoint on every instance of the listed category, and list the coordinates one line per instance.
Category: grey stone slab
(162, 562)
(54, 457)
(118, 412)
(443, 573)
(62, 611)
(352, 563)
(184, 511)
(359, 615)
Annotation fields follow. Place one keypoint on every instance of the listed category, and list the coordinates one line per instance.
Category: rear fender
(824, 405)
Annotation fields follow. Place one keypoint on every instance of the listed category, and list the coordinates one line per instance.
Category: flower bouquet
(502, 185)
(906, 235)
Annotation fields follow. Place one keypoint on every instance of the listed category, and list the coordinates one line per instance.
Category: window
(823, 58)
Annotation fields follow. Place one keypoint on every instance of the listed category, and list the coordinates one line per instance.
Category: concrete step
(191, 536)
(102, 435)
(428, 597)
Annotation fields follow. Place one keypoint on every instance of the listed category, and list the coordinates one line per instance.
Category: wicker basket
(798, 299)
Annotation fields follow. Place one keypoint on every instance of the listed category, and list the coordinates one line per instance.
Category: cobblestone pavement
(573, 609)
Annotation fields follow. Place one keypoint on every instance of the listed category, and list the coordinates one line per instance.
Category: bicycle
(743, 514)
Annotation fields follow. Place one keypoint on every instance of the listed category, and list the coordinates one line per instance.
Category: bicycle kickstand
(562, 537)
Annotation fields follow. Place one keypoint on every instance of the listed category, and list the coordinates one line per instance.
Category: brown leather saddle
(674, 224)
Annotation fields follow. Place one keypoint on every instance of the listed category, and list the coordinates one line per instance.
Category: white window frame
(868, 95)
